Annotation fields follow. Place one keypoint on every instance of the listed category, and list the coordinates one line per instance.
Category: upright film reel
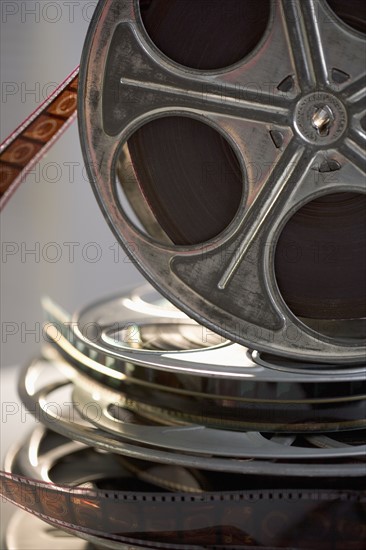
(235, 131)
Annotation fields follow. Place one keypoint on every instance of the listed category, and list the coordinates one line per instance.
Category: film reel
(127, 327)
(191, 446)
(225, 249)
(47, 457)
(192, 382)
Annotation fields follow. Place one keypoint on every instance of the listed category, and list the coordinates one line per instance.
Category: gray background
(41, 43)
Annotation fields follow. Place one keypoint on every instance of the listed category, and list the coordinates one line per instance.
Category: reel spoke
(285, 173)
(353, 149)
(138, 76)
(299, 42)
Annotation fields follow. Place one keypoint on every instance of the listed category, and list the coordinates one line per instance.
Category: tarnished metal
(229, 283)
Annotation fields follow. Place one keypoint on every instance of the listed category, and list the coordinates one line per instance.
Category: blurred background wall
(55, 241)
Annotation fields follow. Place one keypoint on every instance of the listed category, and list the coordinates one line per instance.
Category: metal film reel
(166, 367)
(274, 261)
(47, 456)
(194, 446)
(50, 457)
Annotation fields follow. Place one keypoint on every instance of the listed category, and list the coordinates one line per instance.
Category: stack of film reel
(157, 433)
(224, 142)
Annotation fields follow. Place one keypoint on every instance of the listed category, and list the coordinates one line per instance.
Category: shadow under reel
(225, 148)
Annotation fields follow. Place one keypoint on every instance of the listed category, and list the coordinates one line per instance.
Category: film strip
(263, 519)
(31, 140)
